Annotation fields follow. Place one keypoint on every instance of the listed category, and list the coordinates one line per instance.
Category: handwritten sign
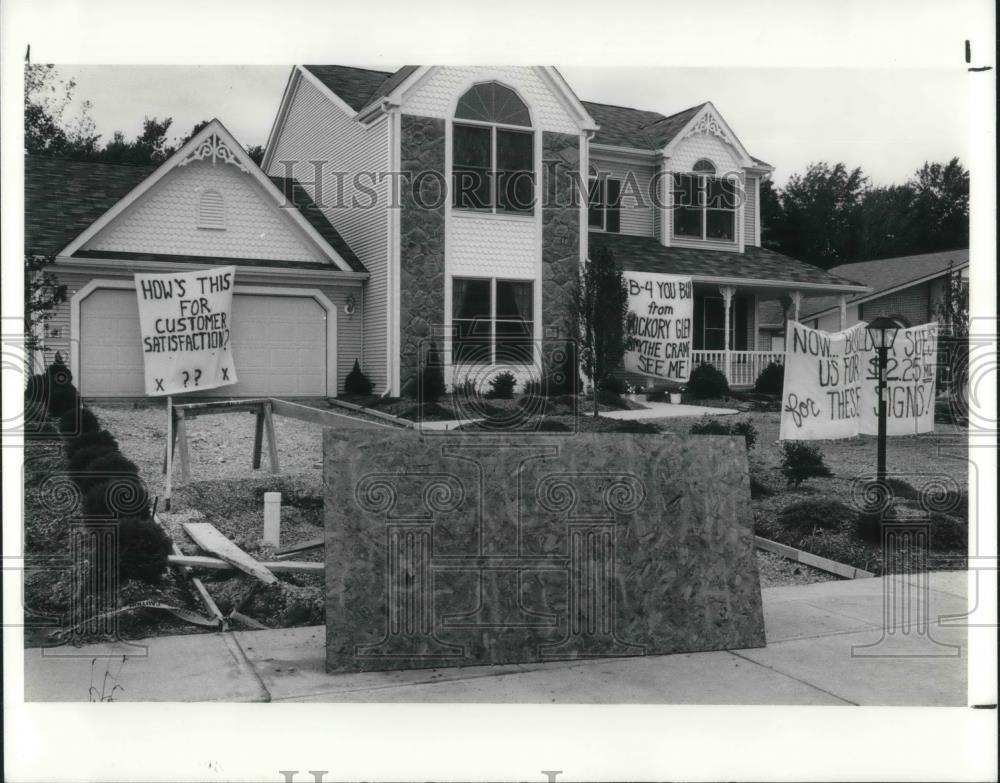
(911, 370)
(658, 327)
(186, 325)
(831, 383)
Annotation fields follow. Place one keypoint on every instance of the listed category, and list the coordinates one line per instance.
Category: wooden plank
(321, 417)
(220, 406)
(272, 443)
(215, 564)
(809, 559)
(373, 412)
(213, 609)
(312, 543)
(206, 536)
(182, 446)
(258, 437)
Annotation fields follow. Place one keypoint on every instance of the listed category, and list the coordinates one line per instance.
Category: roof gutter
(373, 111)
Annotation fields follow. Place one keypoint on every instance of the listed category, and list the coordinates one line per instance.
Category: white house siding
(316, 129)
(831, 321)
(750, 212)
(165, 220)
(638, 215)
(436, 95)
(349, 328)
(480, 246)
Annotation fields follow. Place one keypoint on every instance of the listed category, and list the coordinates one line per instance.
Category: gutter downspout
(393, 130)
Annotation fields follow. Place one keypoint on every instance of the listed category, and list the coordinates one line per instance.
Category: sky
(887, 121)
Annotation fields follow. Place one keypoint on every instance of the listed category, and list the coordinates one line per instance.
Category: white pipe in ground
(272, 519)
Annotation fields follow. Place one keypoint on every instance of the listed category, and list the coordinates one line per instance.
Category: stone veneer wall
(422, 232)
(560, 232)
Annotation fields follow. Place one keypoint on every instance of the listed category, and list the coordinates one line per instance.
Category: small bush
(502, 386)
(77, 421)
(714, 425)
(613, 385)
(466, 389)
(83, 457)
(949, 533)
(142, 549)
(60, 392)
(771, 379)
(552, 425)
(801, 461)
(533, 389)
(706, 383)
(357, 382)
(104, 467)
(117, 497)
(823, 512)
(87, 439)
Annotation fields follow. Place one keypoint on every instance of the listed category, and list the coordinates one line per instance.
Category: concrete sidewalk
(666, 410)
(825, 645)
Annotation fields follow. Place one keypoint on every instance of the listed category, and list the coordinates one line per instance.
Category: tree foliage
(832, 215)
(599, 310)
(42, 294)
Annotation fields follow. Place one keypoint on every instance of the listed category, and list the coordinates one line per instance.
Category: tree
(952, 312)
(46, 97)
(256, 153)
(42, 294)
(599, 311)
(940, 211)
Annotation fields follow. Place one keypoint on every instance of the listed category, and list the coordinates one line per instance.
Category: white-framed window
(604, 208)
(211, 210)
(493, 152)
(705, 204)
(493, 321)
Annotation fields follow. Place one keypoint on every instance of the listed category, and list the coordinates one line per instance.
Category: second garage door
(279, 346)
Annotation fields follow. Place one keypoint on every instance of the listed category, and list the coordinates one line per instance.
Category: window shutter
(613, 222)
(211, 210)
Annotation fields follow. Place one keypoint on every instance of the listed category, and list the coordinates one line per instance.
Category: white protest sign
(822, 394)
(911, 371)
(186, 325)
(658, 328)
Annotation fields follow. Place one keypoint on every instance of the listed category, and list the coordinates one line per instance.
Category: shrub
(104, 467)
(502, 386)
(87, 439)
(117, 497)
(613, 385)
(706, 382)
(35, 402)
(949, 533)
(143, 547)
(60, 393)
(771, 379)
(801, 461)
(466, 389)
(77, 421)
(824, 512)
(82, 458)
(714, 425)
(430, 376)
(552, 425)
(357, 382)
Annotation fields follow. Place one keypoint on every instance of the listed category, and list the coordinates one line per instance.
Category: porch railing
(743, 366)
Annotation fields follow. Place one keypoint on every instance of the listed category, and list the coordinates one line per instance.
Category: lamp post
(882, 334)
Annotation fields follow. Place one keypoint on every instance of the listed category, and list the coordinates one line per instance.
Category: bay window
(705, 205)
(492, 320)
(493, 152)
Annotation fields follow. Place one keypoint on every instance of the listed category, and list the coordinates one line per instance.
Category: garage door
(279, 346)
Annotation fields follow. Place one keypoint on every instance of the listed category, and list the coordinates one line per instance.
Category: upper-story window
(705, 204)
(493, 153)
(604, 211)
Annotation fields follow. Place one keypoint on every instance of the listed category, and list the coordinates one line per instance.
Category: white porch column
(843, 311)
(727, 292)
(796, 304)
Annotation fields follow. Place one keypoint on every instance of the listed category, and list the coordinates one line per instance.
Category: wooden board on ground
(809, 559)
(302, 546)
(206, 536)
(217, 564)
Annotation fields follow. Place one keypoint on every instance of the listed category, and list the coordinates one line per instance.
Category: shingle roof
(295, 193)
(62, 198)
(646, 254)
(621, 126)
(887, 273)
(359, 87)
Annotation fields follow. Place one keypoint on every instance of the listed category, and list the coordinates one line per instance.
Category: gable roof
(621, 126)
(359, 87)
(885, 274)
(62, 198)
(646, 254)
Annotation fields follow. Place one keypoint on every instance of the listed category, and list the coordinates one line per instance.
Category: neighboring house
(453, 193)
(909, 288)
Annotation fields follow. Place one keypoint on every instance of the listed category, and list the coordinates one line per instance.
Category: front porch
(741, 368)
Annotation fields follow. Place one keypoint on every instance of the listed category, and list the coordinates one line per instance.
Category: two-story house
(434, 205)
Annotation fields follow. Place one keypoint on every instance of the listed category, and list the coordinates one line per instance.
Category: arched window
(704, 166)
(211, 210)
(493, 151)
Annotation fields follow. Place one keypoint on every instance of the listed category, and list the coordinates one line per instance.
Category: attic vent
(211, 210)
